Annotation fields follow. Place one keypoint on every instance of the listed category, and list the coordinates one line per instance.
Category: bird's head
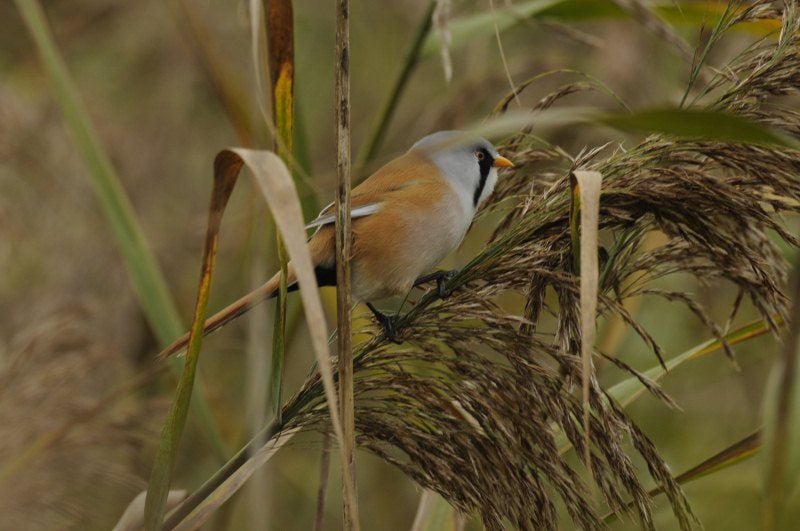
(469, 163)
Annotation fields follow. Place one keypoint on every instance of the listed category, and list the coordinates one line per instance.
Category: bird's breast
(405, 239)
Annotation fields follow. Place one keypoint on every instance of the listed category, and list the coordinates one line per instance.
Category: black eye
(481, 155)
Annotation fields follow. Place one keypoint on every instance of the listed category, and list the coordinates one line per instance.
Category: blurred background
(74, 449)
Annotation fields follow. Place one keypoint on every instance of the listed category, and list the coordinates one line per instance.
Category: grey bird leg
(441, 278)
(387, 323)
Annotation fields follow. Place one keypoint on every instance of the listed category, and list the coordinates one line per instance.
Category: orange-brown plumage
(407, 217)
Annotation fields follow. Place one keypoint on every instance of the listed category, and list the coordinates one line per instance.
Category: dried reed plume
(60, 471)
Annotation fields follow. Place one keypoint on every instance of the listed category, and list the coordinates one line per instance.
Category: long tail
(264, 292)
(321, 246)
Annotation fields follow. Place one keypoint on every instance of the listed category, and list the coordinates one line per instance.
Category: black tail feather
(326, 276)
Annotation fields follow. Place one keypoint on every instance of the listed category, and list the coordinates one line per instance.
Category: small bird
(407, 216)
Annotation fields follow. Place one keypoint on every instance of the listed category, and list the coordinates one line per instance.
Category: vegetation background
(72, 331)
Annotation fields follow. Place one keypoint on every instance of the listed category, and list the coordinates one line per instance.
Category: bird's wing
(400, 174)
(358, 212)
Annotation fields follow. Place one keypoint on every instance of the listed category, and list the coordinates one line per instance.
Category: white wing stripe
(359, 212)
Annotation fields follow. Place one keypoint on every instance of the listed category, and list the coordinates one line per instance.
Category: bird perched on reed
(407, 216)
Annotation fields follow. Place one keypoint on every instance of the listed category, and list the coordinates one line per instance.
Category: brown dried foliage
(61, 470)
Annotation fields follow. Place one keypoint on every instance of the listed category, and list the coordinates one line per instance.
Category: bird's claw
(441, 278)
(388, 323)
(441, 283)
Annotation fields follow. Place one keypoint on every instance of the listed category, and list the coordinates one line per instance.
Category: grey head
(468, 163)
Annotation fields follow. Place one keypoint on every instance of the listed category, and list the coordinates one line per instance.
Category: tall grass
(486, 400)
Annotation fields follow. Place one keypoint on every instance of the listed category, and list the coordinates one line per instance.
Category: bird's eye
(480, 154)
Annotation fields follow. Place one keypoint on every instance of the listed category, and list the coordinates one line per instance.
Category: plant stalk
(343, 252)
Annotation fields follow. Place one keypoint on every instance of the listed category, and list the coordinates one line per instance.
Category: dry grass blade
(133, 517)
(586, 205)
(277, 187)
(433, 513)
(235, 482)
(782, 426)
(344, 242)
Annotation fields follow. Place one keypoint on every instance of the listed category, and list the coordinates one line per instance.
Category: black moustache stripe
(486, 167)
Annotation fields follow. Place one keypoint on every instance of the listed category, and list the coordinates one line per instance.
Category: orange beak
(502, 162)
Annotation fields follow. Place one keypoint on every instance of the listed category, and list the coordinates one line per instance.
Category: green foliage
(147, 280)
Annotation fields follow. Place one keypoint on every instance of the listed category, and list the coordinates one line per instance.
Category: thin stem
(324, 472)
(710, 44)
(375, 138)
(779, 450)
(343, 252)
(219, 477)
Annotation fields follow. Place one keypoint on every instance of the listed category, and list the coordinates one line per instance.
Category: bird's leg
(387, 323)
(441, 278)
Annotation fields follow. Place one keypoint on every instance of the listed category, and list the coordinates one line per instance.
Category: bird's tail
(264, 292)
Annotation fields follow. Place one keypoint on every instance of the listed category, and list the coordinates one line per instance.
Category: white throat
(462, 172)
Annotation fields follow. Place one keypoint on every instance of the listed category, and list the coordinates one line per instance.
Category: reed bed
(487, 402)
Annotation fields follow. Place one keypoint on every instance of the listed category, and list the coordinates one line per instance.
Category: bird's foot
(387, 323)
(441, 278)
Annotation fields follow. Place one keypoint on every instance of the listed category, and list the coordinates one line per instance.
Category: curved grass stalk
(278, 189)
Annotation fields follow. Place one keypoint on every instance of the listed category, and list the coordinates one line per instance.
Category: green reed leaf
(148, 282)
